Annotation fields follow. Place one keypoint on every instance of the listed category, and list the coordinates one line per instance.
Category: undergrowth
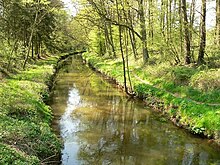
(25, 133)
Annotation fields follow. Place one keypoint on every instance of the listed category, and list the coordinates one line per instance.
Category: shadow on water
(100, 125)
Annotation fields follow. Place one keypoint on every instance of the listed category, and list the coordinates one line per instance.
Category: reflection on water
(100, 125)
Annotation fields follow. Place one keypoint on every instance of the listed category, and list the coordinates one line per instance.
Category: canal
(100, 125)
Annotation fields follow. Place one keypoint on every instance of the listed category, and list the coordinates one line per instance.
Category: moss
(26, 136)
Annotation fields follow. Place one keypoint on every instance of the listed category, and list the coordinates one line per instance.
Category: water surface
(100, 125)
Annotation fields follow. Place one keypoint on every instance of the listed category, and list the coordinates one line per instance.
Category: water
(100, 125)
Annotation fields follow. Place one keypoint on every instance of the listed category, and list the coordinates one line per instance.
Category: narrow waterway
(99, 125)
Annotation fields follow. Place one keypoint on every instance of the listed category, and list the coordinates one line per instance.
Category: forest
(155, 35)
(166, 52)
(31, 29)
(148, 32)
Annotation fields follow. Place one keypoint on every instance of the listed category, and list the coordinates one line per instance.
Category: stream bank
(202, 119)
(26, 136)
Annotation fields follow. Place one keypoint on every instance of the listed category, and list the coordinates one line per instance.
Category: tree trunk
(167, 22)
(39, 49)
(181, 28)
(107, 39)
(121, 47)
(162, 19)
(32, 49)
(11, 54)
(132, 35)
(123, 59)
(143, 31)
(202, 34)
(112, 40)
(218, 22)
(186, 33)
(30, 38)
(127, 60)
(151, 21)
(133, 43)
(29, 48)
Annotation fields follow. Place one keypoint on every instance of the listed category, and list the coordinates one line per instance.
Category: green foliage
(97, 42)
(38, 75)
(35, 139)
(11, 155)
(181, 81)
(30, 30)
(207, 80)
(26, 136)
(22, 94)
(11, 60)
(182, 74)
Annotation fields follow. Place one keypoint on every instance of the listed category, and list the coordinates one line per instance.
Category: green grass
(187, 82)
(11, 155)
(184, 92)
(25, 133)
(199, 117)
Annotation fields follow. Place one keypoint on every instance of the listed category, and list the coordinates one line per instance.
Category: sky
(210, 19)
(70, 7)
(210, 13)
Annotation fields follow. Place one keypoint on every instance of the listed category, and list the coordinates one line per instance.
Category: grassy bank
(188, 95)
(25, 133)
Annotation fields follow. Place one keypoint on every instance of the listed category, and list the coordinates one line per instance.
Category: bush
(181, 75)
(206, 80)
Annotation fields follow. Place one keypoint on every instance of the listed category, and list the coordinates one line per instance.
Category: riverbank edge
(17, 150)
(164, 103)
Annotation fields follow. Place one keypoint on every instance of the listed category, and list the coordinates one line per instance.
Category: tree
(218, 22)
(143, 30)
(168, 30)
(202, 33)
(186, 33)
(28, 27)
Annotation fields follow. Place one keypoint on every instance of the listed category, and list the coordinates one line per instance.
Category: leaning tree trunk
(127, 61)
(202, 34)
(131, 34)
(121, 48)
(112, 41)
(30, 40)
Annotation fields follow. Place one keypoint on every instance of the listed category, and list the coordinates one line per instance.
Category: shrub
(181, 75)
(206, 80)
